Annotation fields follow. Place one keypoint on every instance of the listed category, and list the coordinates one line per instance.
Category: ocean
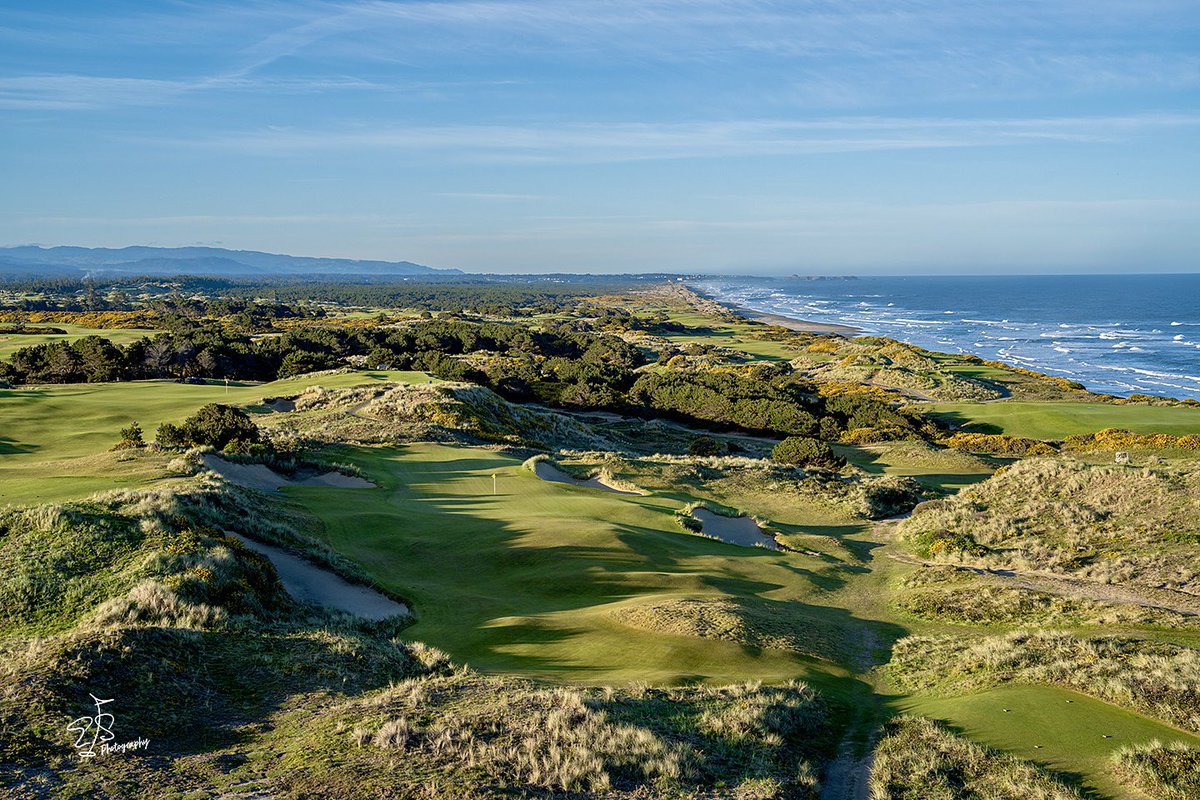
(1118, 334)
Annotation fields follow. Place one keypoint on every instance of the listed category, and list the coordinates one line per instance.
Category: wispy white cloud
(832, 54)
(487, 196)
(614, 142)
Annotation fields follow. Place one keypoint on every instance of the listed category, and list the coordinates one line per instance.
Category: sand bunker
(742, 531)
(265, 479)
(548, 472)
(280, 405)
(309, 583)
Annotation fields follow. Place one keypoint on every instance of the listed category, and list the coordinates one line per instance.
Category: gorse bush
(214, 425)
(997, 444)
(806, 452)
(1117, 439)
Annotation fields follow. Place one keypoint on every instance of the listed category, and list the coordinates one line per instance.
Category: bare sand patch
(548, 472)
(742, 531)
(265, 479)
(309, 583)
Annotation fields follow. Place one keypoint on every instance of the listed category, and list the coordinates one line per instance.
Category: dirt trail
(309, 583)
(1163, 599)
(848, 775)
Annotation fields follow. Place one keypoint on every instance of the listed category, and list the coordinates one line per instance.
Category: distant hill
(32, 260)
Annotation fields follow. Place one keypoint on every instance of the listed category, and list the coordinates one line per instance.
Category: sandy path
(1164, 599)
(309, 583)
(548, 472)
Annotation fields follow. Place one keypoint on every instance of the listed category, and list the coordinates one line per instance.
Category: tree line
(557, 365)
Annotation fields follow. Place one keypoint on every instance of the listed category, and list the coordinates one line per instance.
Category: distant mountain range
(216, 261)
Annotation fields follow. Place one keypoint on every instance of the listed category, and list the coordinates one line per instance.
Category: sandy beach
(792, 324)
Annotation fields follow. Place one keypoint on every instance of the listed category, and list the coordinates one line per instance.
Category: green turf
(941, 469)
(10, 342)
(527, 580)
(54, 439)
(708, 330)
(1042, 726)
(1058, 419)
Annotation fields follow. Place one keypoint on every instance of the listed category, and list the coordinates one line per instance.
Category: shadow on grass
(486, 584)
(11, 447)
(957, 420)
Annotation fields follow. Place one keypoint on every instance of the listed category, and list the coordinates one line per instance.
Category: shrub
(997, 443)
(704, 446)
(217, 425)
(806, 452)
(170, 436)
(131, 437)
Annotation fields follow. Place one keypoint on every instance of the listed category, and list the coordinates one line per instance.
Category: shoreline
(791, 323)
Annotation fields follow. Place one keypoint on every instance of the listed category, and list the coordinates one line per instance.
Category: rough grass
(749, 621)
(1166, 771)
(917, 759)
(670, 742)
(1156, 678)
(1106, 523)
(946, 594)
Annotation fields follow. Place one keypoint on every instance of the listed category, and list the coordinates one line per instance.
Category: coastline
(791, 323)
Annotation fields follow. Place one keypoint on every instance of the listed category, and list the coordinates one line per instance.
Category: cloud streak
(617, 142)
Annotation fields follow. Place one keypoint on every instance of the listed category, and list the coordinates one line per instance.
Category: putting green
(1056, 420)
(1059, 729)
(533, 579)
(54, 440)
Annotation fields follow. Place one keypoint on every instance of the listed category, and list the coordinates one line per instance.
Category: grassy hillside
(54, 441)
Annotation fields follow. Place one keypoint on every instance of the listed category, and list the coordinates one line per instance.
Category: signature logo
(94, 733)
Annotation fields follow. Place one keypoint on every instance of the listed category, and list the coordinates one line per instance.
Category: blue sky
(881, 136)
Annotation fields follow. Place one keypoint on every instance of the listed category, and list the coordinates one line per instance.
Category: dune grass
(1059, 419)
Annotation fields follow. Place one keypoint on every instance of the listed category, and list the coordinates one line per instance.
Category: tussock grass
(682, 742)
(1156, 678)
(1106, 523)
(749, 621)
(918, 759)
(1164, 771)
